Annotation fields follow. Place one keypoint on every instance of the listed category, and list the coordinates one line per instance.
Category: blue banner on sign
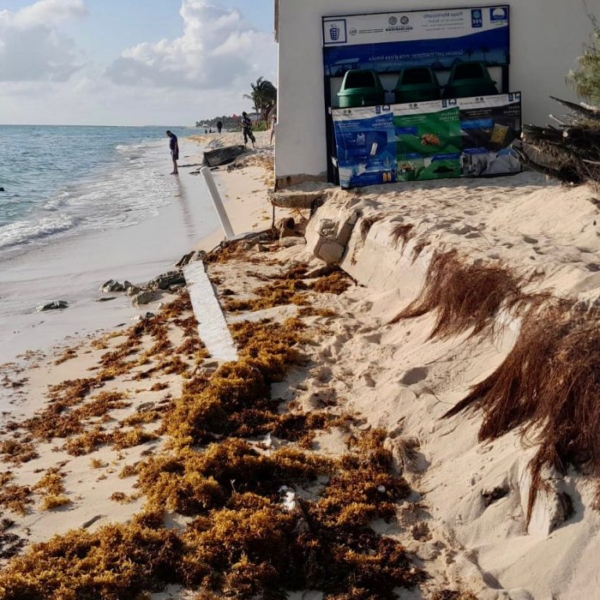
(491, 47)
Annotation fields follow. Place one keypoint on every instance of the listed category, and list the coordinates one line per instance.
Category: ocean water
(66, 181)
(83, 205)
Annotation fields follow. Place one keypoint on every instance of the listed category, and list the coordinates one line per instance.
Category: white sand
(397, 378)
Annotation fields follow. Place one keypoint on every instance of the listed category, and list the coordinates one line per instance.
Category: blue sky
(131, 62)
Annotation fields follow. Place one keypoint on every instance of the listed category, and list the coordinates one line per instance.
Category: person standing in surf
(174, 147)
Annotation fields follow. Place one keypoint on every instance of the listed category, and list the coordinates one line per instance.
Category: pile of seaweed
(261, 520)
(549, 384)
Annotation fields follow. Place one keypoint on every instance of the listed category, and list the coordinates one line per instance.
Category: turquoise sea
(62, 181)
(82, 205)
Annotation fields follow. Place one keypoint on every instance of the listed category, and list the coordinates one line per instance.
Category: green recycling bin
(469, 79)
(361, 88)
(417, 84)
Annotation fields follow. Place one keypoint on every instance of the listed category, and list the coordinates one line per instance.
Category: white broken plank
(212, 326)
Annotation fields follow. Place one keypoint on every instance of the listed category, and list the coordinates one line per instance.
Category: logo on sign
(498, 14)
(393, 21)
(476, 18)
(335, 32)
(404, 20)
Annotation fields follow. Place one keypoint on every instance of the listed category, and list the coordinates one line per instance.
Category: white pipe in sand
(216, 198)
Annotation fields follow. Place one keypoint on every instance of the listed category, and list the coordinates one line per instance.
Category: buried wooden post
(218, 203)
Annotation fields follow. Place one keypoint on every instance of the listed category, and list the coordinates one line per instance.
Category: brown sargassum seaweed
(242, 541)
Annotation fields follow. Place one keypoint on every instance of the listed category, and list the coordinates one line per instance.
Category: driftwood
(569, 151)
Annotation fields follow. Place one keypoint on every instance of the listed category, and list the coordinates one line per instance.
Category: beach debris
(223, 156)
(289, 242)
(567, 151)
(186, 259)
(140, 318)
(164, 281)
(56, 305)
(133, 290)
(106, 298)
(10, 543)
(112, 286)
(144, 297)
(490, 496)
(329, 237)
(91, 521)
(297, 199)
(289, 498)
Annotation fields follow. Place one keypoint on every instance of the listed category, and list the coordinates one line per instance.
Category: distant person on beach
(247, 130)
(174, 147)
(273, 120)
(219, 126)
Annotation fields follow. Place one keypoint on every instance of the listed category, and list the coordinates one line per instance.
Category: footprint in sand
(529, 240)
(593, 267)
(413, 376)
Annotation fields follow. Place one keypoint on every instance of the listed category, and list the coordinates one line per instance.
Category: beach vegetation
(336, 283)
(585, 78)
(418, 248)
(366, 224)
(264, 98)
(68, 354)
(131, 437)
(17, 451)
(402, 232)
(465, 296)
(86, 443)
(453, 595)
(266, 514)
(547, 387)
(128, 471)
(51, 482)
(16, 498)
(53, 501)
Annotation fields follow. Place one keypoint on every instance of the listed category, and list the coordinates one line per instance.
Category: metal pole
(218, 203)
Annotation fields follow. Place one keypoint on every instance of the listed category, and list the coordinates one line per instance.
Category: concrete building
(546, 37)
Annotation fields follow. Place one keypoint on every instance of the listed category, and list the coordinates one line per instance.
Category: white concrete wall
(546, 38)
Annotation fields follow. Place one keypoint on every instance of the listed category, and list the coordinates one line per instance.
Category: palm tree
(263, 96)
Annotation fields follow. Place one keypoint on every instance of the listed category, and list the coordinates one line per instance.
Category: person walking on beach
(247, 130)
(174, 147)
(219, 126)
(273, 120)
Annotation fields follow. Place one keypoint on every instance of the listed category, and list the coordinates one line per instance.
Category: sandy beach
(333, 458)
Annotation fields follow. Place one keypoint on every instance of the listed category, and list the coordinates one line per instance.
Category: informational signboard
(417, 74)
(389, 42)
(466, 137)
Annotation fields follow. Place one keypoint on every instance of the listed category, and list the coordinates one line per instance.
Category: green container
(470, 79)
(361, 88)
(417, 84)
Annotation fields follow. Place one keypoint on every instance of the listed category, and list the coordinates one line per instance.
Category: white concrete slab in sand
(212, 326)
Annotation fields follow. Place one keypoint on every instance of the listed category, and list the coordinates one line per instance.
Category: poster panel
(389, 42)
(467, 137)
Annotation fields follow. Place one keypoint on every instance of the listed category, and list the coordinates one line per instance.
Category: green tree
(263, 96)
(585, 79)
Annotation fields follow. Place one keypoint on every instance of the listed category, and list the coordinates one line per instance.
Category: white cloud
(31, 46)
(217, 50)
(49, 12)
